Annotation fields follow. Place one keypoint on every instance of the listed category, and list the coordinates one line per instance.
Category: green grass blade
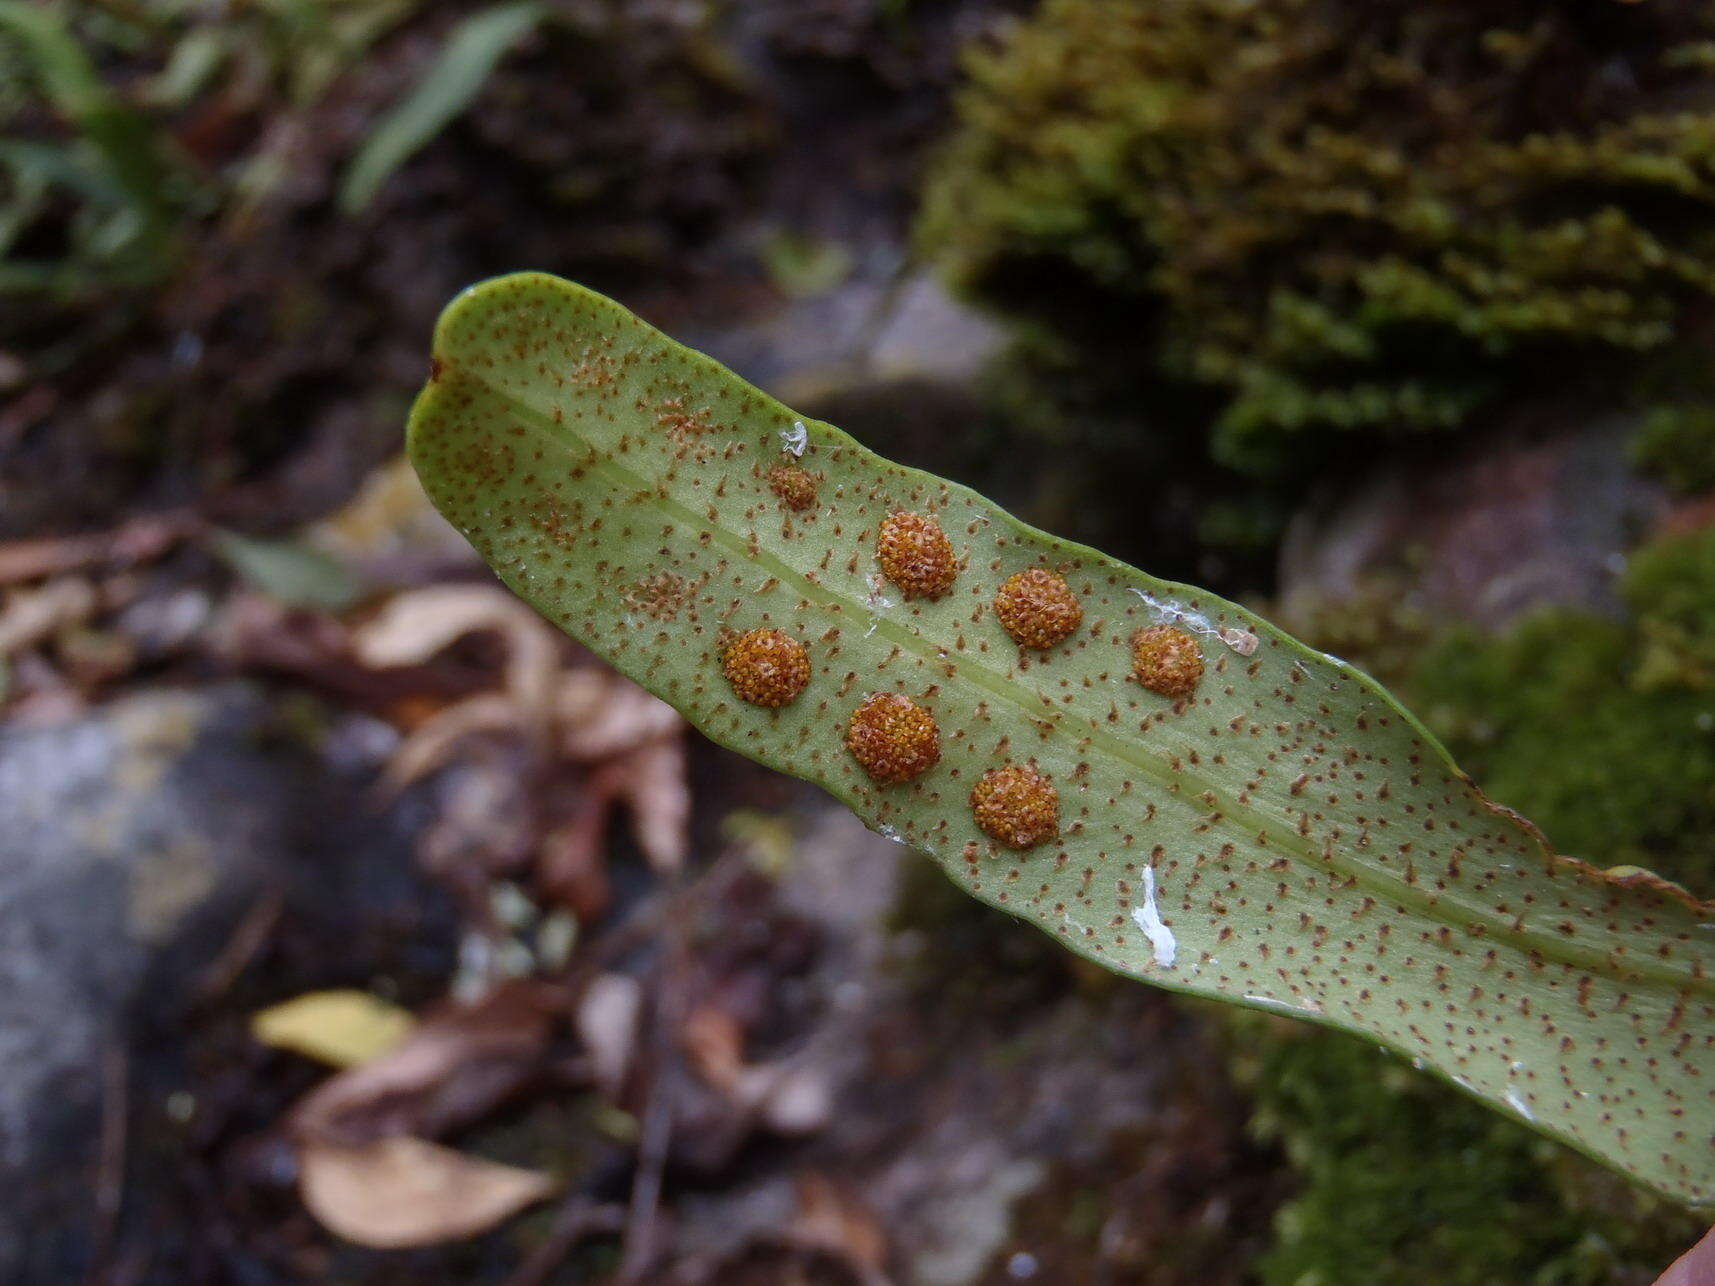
(125, 140)
(451, 85)
(1287, 837)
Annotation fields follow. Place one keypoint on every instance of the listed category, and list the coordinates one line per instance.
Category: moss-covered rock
(1403, 1179)
(1676, 443)
(1338, 215)
(1670, 589)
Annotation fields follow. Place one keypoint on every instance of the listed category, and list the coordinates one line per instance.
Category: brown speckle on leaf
(796, 487)
(661, 596)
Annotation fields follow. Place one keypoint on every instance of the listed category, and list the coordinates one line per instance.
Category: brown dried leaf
(391, 522)
(714, 1039)
(457, 1064)
(140, 540)
(832, 1219)
(571, 862)
(608, 1020)
(786, 1097)
(400, 1192)
(602, 714)
(32, 615)
(651, 782)
(432, 743)
(416, 625)
(256, 631)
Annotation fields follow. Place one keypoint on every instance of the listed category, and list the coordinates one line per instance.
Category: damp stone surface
(1295, 837)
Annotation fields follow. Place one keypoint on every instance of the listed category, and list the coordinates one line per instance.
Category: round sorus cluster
(893, 738)
(1016, 806)
(1165, 659)
(1038, 608)
(916, 555)
(766, 667)
(796, 486)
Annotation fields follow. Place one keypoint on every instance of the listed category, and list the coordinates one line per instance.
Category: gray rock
(870, 332)
(131, 841)
(1539, 513)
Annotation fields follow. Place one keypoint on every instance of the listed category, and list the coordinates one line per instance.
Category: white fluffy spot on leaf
(1148, 917)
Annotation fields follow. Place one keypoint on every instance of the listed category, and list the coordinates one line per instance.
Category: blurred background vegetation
(1392, 319)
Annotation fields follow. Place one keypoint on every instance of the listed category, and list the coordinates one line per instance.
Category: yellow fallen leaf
(343, 1028)
(399, 1192)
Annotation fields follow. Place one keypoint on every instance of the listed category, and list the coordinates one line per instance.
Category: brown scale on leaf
(766, 667)
(662, 596)
(1166, 660)
(671, 414)
(916, 555)
(1016, 806)
(796, 487)
(893, 738)
(1038, 608)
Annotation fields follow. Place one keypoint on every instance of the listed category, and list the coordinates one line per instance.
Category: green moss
(1670, 588)
(1404, 1179)
(1337, 215)
(1601, 731)
(1548, 720)
(1676, 443)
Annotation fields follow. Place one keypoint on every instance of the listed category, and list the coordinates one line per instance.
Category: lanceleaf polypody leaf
(1168, 784)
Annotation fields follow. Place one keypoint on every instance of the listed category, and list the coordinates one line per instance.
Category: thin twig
(140, 540)
(110, 1174)
(241, 948)
(668, 1022)
(646, 1188)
